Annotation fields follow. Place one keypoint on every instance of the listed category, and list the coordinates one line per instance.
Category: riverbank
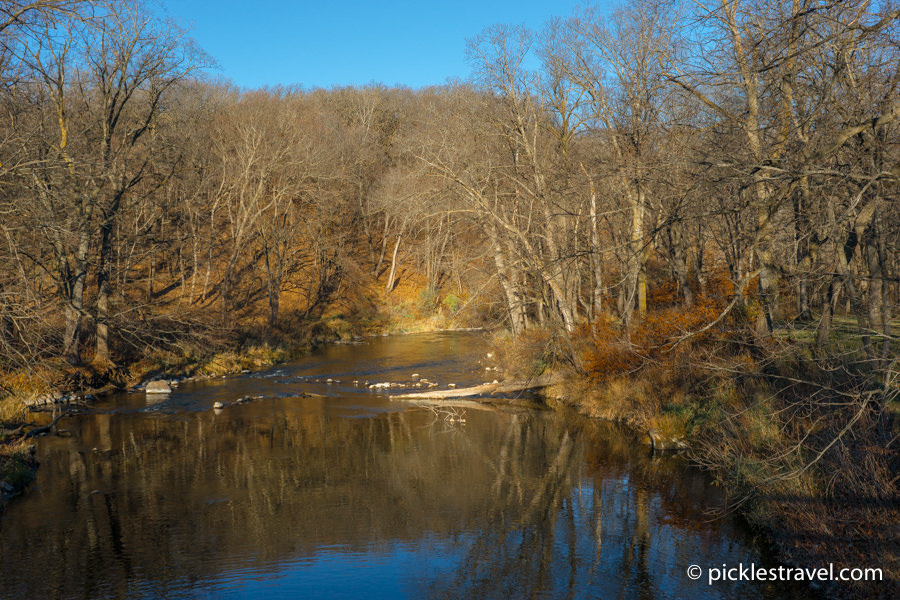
(25, 408)
(55, 386)
(740, 414)
(839, 508)
(804, 445)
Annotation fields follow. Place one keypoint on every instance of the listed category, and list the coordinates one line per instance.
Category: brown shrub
(662, 337)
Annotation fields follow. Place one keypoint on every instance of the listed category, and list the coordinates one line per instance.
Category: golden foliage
(661, 336)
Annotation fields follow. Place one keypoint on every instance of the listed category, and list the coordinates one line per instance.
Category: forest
(695, 200)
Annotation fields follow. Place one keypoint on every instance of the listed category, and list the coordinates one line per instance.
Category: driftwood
(486, 389)
(45, 428)
(15, 436)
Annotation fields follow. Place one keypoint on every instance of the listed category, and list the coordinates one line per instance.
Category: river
(346, 494)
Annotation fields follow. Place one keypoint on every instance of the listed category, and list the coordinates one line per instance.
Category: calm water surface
(349, 495)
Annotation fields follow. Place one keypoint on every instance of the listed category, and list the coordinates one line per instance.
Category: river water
(346, 494)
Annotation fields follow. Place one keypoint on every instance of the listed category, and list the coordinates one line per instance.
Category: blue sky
(349, 42)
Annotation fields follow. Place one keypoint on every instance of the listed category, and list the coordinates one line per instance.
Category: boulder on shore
(158, 386)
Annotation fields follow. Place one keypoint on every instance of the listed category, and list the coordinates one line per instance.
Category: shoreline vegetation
(803, 446)
(687, 211)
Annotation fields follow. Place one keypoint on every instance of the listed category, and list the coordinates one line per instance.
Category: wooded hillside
(737, 157)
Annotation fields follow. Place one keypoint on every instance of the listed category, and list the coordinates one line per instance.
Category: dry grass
(412, 308)
(13, 412)
(29, 383)
(252, 357)
(16, 462)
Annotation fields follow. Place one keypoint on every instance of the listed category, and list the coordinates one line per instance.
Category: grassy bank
(804, 441)
(16, 459)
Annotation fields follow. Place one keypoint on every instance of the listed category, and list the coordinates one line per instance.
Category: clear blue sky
(349, 42)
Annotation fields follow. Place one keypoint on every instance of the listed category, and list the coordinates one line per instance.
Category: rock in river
(159, 386)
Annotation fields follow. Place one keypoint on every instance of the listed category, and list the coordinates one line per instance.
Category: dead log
(486, 389)
(44, 428)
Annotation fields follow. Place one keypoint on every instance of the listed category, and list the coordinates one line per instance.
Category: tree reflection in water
(289, 493)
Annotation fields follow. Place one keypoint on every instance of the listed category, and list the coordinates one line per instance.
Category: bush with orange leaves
(662, 336)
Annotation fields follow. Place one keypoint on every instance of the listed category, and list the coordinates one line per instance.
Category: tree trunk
(75, 301)
(101, 351)
(636, 284)
(389, 286)
(514, 304)
(562, 306)
(596, 259)
(803, 243)
(826, 320)
(876, 292)
(273, 287)
(104, 290)
(679, 260)
(768, 275)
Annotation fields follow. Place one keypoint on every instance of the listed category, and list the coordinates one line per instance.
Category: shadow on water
(291, 497)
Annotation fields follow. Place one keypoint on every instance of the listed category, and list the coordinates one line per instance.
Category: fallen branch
(44, 428)
(486, 389)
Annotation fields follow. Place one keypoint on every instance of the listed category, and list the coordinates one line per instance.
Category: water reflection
(288, 497)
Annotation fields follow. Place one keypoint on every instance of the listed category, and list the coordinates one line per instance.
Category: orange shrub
(663, 294)
(661, 336)
(608, 353)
